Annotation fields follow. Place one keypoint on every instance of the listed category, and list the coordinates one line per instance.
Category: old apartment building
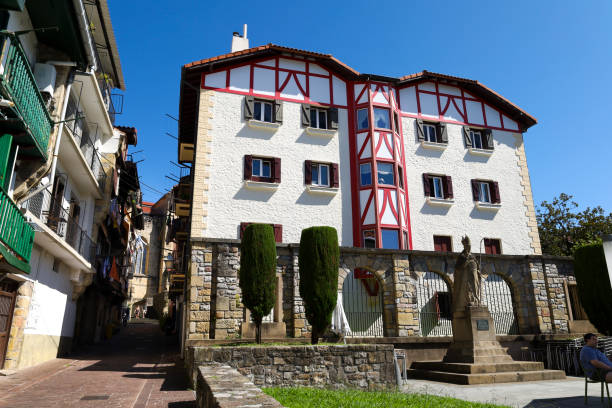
(401, 167)
(297, 138)
(69, 191)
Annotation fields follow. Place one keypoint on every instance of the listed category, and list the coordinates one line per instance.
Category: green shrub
(319, 261)
(258, 272)
(594, 285)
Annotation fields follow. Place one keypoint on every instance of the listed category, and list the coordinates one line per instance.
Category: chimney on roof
(239, 42)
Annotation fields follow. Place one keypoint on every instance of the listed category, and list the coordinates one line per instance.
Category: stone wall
(20, 316)
(354, 366)
(215, 305)
(224, 387)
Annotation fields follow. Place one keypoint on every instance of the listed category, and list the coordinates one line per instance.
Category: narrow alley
(138, 368)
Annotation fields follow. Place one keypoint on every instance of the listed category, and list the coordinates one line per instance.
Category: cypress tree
(594, 285)
(319, 261)
(258, 272)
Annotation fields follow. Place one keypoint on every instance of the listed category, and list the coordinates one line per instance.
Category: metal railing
(15, 232)
(51, 212)
(365, 324)
(18, 85)
(82, 134)
(432, 324)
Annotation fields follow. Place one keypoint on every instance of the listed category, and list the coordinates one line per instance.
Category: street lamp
(169, 261)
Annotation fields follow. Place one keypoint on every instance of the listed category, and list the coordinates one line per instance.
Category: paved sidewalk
(138, 368)
(567, 393)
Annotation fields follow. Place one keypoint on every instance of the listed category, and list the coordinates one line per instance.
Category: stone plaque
(482, 324)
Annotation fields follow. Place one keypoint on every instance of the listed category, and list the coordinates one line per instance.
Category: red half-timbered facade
(376, 111)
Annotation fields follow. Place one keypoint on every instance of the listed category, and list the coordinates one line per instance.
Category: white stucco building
(295, 138)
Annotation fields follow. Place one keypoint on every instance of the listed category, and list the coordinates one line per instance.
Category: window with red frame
(492, 246)
(442, 243)
(264, 169)
(278, 230)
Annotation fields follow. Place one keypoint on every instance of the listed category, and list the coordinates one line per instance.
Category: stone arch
(381, 268)
(498, 293)
(434, 299)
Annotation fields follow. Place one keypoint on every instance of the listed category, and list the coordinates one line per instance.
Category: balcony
(28, 112)
(15, 233)
(50, 212)
(82, 147)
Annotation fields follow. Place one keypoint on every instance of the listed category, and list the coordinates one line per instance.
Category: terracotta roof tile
(130, 132)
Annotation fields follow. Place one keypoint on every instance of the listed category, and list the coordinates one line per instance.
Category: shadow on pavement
(568, 402)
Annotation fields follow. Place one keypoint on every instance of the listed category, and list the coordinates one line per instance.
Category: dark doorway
(8, 293)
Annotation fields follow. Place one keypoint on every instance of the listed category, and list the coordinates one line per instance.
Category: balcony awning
(61, 14)
(13, 261)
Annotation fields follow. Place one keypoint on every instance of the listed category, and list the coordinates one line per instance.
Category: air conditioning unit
(45, 75)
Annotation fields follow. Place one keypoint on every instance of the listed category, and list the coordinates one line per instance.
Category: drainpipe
(58, 139)
(84, 29)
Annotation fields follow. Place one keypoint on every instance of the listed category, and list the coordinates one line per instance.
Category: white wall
(20, 21)
(230, 203)
(52, 312)
(509, 223)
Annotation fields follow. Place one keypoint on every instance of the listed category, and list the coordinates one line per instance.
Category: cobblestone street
(139, 367)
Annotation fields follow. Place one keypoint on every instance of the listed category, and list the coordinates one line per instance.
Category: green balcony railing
(17, 84)
(15, 232)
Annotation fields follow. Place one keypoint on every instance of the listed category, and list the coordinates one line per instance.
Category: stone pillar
(301, 328)
(557, 301)
(540, 295)
(199, 281)
(20, 317)
(226, 302)
(404, 298)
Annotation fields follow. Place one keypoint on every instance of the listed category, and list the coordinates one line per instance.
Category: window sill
(487, 206)
(257, 124)
(260, 185)
(322, 190)
(433, 145)
(480, 152)
(320, 132)
(440, 202)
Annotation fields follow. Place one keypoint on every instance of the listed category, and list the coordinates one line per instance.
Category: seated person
(595, 363)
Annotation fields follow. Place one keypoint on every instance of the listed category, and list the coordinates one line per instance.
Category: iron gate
(434, 305)
(363, 305)
(497, 296)
(8, 292)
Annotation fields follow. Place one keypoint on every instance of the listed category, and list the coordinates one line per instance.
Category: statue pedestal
(474, 339)
(476, 357)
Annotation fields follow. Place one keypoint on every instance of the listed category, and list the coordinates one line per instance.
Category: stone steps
(464, 368)
(486, 378)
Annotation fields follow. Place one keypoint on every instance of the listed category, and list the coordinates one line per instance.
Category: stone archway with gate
(362, 301)
(365, 295)
(434, 304)
(497, 296)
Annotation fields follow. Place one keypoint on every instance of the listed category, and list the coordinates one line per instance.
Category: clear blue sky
(553, 59)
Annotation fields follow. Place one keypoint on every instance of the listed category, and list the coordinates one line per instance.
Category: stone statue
(467, 287)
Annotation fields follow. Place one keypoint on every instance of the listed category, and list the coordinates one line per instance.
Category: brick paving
(138, 368)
